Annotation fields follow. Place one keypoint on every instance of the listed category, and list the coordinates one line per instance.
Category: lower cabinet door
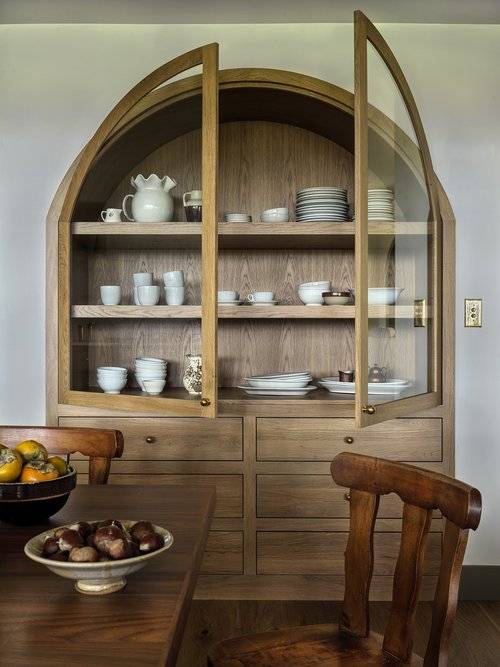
(287, 552)
(223, 553)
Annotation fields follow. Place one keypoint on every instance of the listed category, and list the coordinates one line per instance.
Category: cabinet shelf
(233, 236)
(238, 312)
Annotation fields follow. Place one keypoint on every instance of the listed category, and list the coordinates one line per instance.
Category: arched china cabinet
(249, 139)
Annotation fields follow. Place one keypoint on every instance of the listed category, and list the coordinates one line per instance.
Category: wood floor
(475, 641)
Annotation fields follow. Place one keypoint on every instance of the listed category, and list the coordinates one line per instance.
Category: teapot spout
(168, 183)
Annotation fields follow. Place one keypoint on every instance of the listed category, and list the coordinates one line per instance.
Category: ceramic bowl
(383, 296)
(336, 298)
(96, 578)
(153, 387)
(111, 384)
(275, 215)
(23, 504)
(311, 297)
(324, 285)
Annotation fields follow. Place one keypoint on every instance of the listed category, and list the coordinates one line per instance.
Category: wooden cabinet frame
(207, 57)
(365, 33)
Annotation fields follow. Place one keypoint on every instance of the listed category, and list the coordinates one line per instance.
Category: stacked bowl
(151, 374)
(111, 379)
(381, 204)
(174, 288)
(311, 294)
(322, 203)
(237, 217)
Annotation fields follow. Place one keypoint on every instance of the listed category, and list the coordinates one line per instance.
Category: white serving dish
(391, 387)
(283, 383)
(252, 391)
(95, 578)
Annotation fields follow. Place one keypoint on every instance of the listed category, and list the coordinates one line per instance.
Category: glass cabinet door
(107, 334)
(398, 242)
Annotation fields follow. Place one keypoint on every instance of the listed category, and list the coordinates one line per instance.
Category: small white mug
(112, 215)
(227, 295)
(192, 198)
(174, 295)
(143, 279)
(257, 297)
(111, 295)
(173, 278)
(148, 295)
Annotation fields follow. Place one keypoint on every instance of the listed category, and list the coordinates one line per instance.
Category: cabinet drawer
(172, 438)
(229, 487)
(323, 553)
(312, 496)
(295, 439)
(223, 553)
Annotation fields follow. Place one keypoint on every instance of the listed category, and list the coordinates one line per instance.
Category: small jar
(192, 374)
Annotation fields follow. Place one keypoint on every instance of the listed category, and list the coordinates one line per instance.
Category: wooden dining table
(45, 621)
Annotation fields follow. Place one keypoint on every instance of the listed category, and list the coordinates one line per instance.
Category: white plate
(324, 188)
(278, 384)
(380, 389)
(252, 391)
(272, 376)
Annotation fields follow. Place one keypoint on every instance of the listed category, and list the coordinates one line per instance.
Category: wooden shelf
(255, 235)
(238, 312)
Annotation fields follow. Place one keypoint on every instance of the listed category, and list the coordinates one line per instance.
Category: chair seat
(306, 646)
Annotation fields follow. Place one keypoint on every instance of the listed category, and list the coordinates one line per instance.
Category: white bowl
(113, 369)
(311, 297)
(383, 296)
(111, 385)
(323, 284)
(151, 359)
(336, 300)
(153, 387)
(275, 215)
(95, 578)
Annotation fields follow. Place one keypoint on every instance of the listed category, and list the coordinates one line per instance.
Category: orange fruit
(10, 465)
(38, 471)
(31, 450)
(59, 464)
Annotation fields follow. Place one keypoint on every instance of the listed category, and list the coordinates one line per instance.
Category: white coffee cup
(111, 295)
(173, 278)
(192, 198)
(255, 297)
(174, 295)
(227, 295)
(148, 295)
(143, 279)
(112, 215)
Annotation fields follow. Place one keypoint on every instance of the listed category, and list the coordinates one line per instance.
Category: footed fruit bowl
(22, 503)
(101, 577)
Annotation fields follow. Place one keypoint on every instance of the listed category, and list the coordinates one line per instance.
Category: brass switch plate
(473, 309)
(420, 313)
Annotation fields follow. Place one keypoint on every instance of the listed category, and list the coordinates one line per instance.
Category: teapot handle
(125, 209)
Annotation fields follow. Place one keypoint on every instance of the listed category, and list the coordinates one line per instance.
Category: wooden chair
(352, 643)
(100, 445)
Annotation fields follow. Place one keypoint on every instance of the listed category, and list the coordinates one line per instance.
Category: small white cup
(111, 295)
(255, 297)
(148, 295)
(112, 215)
(174, 295)
(153, 387)
(143, 279)
(173, 278)
(227, 295)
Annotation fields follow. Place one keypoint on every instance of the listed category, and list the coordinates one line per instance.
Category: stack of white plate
(393, 386)
(322, 203)
(381, 204)
(111, 379)
(237, 217)
(278, 384)
(150, 369)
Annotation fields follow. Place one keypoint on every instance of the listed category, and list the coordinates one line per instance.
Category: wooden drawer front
(314, 439)
(323, 553)
(176, 439)
(223, 553)
(312, 496)
(229, 487)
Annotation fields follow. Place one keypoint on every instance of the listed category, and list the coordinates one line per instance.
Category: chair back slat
(445, 599)
(100, 445)
(398, 637)
(354, 618)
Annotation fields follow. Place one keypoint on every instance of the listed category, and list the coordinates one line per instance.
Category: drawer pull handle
(204, 402)
(150, 439)
(348, 440)
(369, 409)
(347, 496)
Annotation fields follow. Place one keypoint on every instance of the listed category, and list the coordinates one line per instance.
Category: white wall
(58, 82)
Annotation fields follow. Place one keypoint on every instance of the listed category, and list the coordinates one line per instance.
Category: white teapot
(152, 202)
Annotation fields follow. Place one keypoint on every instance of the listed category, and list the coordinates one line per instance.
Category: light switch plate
(473, 311)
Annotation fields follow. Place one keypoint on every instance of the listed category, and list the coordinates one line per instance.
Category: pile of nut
(101, 541)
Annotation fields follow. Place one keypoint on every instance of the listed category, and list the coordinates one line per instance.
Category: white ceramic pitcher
(152, 202)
